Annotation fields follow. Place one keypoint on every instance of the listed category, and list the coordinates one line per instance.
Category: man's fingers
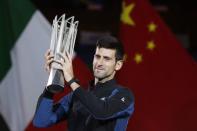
(65, 57)
(49, 61)
(48, 64)
(62, 57)
(50, 56)
(47, 53)
(59, 62)
(69, 56)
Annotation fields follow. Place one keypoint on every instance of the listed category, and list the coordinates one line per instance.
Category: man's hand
(49, 57)
(65, 64)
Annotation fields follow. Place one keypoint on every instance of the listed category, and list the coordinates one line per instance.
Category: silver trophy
(63, 37)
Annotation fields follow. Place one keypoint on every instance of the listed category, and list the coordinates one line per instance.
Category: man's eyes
(97, 56)
(105, 57)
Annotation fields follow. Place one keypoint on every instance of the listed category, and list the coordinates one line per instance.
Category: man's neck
(104, 79)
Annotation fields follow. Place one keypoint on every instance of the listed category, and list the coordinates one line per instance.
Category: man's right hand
(49, 57)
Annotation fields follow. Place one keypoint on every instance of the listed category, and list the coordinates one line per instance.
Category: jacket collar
(106, 84)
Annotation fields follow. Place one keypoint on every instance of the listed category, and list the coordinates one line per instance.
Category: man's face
(104, 63)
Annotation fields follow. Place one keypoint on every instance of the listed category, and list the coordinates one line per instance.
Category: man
(106, 106)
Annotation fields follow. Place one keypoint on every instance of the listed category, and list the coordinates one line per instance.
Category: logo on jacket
(123, 99)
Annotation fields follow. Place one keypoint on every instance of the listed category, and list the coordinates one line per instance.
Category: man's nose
(100, 61)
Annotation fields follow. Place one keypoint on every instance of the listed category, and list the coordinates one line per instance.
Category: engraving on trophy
(64, 32)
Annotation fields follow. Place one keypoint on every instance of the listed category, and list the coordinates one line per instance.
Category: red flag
(160, 72)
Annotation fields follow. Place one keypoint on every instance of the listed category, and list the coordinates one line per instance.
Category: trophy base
(55, 88)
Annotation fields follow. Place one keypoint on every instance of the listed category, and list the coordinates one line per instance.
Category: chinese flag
(161, 74)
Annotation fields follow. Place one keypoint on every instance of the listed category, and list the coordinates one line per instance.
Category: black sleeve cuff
(47, 94)
(77, 92)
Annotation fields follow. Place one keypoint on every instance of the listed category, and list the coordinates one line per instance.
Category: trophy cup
(63, 37)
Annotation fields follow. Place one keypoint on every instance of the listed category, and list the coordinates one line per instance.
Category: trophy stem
(56, 81)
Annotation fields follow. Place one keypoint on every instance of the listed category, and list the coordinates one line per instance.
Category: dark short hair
(110, 42)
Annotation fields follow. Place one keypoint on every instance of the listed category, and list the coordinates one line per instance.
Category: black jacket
(104, 107)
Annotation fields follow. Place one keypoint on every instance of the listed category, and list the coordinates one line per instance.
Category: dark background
(103, 16)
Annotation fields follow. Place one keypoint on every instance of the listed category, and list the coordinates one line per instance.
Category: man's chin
(99, 76)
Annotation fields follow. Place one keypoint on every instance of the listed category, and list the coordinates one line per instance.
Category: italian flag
(24, 38)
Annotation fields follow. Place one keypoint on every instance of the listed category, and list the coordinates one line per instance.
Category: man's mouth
(99, 69)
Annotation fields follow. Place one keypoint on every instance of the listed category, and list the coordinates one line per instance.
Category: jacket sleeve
(120, 103)
(47, 113)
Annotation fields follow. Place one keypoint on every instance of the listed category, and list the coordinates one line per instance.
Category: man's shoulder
(125, 90)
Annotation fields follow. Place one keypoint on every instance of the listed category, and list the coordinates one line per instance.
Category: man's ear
(118, 65)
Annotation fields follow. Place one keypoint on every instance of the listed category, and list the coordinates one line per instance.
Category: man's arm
(48, 113)
(100, 109)
(121, 103)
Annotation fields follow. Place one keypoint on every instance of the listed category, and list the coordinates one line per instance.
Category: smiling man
(105, 106)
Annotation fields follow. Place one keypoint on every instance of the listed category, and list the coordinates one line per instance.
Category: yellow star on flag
(138, 58)
(125, 16)
(150, 45)
(152, 27)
